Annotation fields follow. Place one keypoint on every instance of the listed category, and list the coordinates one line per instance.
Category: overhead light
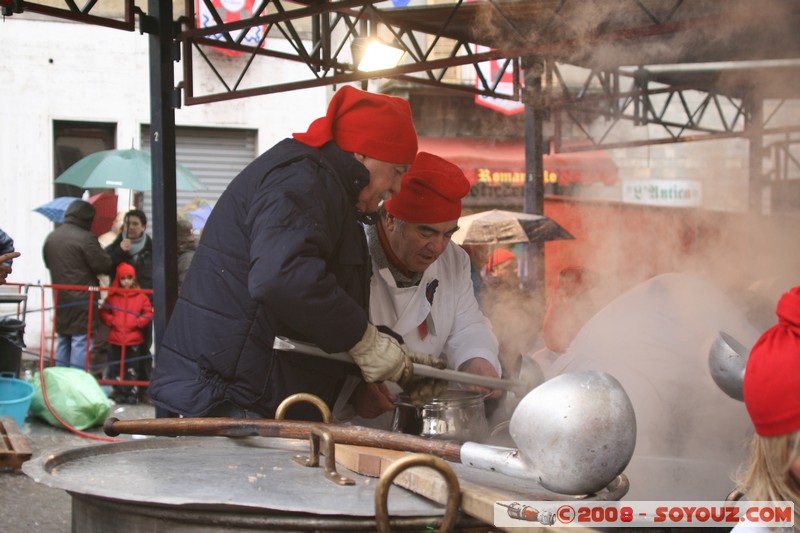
(371, 54)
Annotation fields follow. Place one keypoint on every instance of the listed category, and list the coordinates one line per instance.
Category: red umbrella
(105, 205)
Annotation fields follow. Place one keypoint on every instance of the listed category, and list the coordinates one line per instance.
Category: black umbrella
(507, 227)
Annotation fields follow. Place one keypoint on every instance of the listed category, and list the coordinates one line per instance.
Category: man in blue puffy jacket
(7, 255)
(284, 253)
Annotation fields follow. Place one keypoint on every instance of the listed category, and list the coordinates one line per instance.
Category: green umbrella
(122, 169)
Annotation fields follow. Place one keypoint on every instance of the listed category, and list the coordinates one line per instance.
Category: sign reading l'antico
(672, 193)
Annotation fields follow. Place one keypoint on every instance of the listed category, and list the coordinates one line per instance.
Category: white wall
(56, 70)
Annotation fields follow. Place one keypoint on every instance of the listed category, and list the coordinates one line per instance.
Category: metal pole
(755, 136)
(533, 194)
(162, 146)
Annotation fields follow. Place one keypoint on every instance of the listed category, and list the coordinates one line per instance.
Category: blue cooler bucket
(15, 397)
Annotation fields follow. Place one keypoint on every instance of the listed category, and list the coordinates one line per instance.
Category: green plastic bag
(74, 394)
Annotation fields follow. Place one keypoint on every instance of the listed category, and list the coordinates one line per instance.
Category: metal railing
(106, 371)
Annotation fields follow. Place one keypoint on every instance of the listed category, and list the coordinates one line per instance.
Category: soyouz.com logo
(575, 513)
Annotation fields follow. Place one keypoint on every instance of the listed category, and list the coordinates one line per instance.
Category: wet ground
(27, 506)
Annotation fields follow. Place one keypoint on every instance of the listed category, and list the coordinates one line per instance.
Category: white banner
(665, 514)
(672, 193)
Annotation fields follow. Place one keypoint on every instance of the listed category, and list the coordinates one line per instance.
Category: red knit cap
(431, 192)
(375, 125)
(123, 269)
(499, 256)
(772, 375)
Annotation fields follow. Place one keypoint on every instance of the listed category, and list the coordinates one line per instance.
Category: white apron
(457, 329)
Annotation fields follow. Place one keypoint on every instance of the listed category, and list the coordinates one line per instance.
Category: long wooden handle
(291, 429)
(286, 344)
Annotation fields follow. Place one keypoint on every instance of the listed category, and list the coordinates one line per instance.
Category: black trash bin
(12, 335)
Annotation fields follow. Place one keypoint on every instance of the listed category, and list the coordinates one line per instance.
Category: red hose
(66, 425)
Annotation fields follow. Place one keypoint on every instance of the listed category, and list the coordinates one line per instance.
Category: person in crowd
(99, 355)
(127, 313)
(6, 244)
(501, 269)
(7, 255)
(135, 247)
(187, 245)
(74, 257)
(772, 398)
(572, 304)
(284, 253)
(478, 254)
(421, 286)
(113, 232)
(514, 313)
(5, 265)
(575, 298)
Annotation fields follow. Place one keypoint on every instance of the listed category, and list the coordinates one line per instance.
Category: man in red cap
(772, 397)
(283, 253)
(421, 286)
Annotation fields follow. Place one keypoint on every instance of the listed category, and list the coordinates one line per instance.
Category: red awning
(496, 162)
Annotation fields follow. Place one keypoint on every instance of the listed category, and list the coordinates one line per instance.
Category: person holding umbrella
(421, 285)
(284, 253)
(135, 247)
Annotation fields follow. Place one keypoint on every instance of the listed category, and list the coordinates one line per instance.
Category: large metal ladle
(727, 359)
(576, 434)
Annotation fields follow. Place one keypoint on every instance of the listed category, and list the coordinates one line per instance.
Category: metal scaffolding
(698, 70)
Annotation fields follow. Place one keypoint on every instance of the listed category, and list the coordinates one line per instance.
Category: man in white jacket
(421, 287)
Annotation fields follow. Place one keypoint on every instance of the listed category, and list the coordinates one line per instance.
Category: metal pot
(219, 485)
(456, 415)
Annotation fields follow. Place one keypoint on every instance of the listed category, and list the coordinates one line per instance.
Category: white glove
(381, 357)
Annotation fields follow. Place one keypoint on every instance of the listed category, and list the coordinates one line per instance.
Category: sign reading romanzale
(494, 186)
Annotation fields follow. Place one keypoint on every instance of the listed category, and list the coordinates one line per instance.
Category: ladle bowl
(727, 359)
(577, 430)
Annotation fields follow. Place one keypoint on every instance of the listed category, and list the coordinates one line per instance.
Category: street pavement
(27, 506)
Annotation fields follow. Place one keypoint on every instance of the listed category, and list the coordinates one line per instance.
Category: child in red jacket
(127, 312)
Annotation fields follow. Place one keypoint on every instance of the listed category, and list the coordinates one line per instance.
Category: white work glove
(381, 357)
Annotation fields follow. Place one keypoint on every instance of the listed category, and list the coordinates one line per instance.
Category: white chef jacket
(460, 331)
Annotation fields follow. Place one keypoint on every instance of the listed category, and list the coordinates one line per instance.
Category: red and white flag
(230, 11)
(489, 70)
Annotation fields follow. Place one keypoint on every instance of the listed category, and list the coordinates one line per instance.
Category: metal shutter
(215, 156)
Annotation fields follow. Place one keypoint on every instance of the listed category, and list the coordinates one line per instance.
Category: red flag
(490, 70)
(230, 11)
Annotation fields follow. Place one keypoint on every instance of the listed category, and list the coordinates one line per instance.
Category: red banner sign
(230, 11)
(490, 70)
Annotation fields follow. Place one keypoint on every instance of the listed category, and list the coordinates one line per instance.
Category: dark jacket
(6, 245)
(187, 246)
(281, 254)
(74, 257)
(142, 262)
